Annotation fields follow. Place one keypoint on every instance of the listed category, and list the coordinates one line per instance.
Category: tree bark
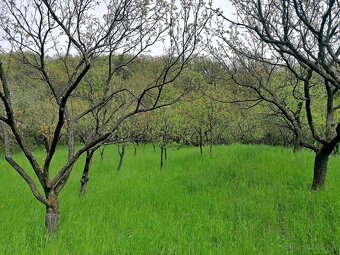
(85, 176)
(297, 143)
(321, 161)
(52, 213)
(321, 164)
(70, 136)
(320, 169)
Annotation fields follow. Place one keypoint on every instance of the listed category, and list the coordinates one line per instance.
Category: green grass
(242, 200)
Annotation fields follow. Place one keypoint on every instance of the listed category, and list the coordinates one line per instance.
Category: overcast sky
(223, 5)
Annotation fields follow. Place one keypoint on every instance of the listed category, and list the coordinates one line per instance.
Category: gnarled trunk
(52, 213)
(85, 176)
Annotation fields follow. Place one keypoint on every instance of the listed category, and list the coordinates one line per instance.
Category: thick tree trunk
(121, 157)
(321, 161)
(297, 143)
(320, 169)
(52, 213)
(165, 153)
(85, 176)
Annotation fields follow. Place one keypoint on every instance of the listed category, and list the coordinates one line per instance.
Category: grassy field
(242, 200)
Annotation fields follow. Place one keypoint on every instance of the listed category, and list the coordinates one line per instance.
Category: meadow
(241, 200)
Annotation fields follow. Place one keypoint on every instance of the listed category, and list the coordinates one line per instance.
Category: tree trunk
(297, 143)
(134, 149)
(336, 149)
(121, 157)
(320, 169)
(70, 138)
(321, 161)
(165, 153)
(85, 176)
(154, 147)
(201, 143)
(52, 213)
(162, 155)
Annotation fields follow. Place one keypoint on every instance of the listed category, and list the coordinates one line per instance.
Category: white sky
(157, 49)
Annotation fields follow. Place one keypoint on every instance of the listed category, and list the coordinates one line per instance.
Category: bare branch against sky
(158, 48)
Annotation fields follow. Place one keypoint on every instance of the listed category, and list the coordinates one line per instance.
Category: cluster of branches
(286, 53)
(74, 33)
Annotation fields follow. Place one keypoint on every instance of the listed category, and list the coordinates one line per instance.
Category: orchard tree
(73, 32)
(288, 48)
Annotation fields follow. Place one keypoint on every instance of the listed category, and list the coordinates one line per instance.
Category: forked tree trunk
(320, 166)
(85, 176)
(52, 213)
(121, 153)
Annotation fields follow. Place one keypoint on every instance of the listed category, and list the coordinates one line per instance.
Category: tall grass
(242, 200)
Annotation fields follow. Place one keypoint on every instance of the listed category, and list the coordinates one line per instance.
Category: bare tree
(285, 66)
(306, 32)
(75, 34)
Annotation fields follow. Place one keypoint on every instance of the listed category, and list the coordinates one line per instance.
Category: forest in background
(211, 109)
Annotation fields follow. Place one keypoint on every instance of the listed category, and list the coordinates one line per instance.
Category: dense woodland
(80, 81)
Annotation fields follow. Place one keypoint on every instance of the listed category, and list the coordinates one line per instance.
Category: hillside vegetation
(242, 200)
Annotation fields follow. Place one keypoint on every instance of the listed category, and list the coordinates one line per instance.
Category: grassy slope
(243, 200)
